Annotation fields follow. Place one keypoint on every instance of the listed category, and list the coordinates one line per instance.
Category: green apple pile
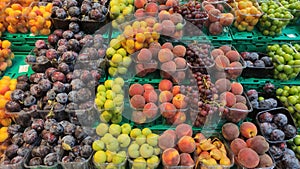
(290, 97)
(119, 9)
(112, 146)
(275, 18)
(295, 145)
(286, 61)
(143, 151)
(293, 6)
(110, 100)
(119, 59)
(296, 47)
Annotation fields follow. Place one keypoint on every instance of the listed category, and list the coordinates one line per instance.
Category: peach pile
(248, 147)
(231, 96)
(143, 101)
(155, 6)
(228, 60)
(172, 102)
(21, 18)
(177, 145)
(7, 85)
(145, 60)
(211, 152)
(173, 63)
(247, 15)
(219, 16)
(172, 24)
(6, 55)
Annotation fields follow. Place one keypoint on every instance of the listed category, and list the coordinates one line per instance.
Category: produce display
(145, 84)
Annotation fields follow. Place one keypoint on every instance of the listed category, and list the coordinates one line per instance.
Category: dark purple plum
(265, 117)
(73, 45)
(50, 159)
(49, 137)
(290, 131)
(69, 129)
(17, 95)
(72, 106)
(62, 42)
(277, 135)
(280, 119)
(40, 151)
(63, 67)
(84, 94)
(62, 49)
(49, 72)
(51, 94)
(69, 141)
(23, 151)
(40, 44)
(87, 141)
(45, 85)
(85, 8)
(38, 124)
(62, 98)
(68, 34)
(68, 56)
(79, 133)
(79, 35)
(29, 101)
(22, 78)
(86, 151)
(77, 84)
(17, 139)
(12, 106)
(17, 160)
(35, 161)
(58, 87)
(30, 136)
(36, 77)
(61, 13)
(67, 159)
(14, 129)
(51, 54)
(74, 11)
(36, 91)
(30, 59)
(52, 39)
(11, 151)
(58, 76)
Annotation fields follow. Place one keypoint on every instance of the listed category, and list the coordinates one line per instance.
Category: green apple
(153, 161)
(105, 116)
(119, 81)
(292, 99)
(126, 128)
(297, 107)
(297, 140)
(127, 10)
(135, 132)
(99, 102)
(124, 140)
(110, 52)
(100, 157)
(140, 139)
(101, 88)
(122, 70)
(98, 145)
(116, 88)
(102, 129)
(130, 2)
(119, 101)
(146, 150)
(110, 94)
(109, 104)
(109, 155)
(119, 158)
(117, 58)
(112, 144)
(108, 84)
(156, 151)
(133, 150)
(146, 131)
(115, 130)
(112, 71)
(116, 119)
(152, 139)
(115, 43)
(106, 138)
(139, 163)
(115, 11)
(126, 61)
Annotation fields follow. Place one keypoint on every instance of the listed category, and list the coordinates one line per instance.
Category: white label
(23, 68)
(291, 35)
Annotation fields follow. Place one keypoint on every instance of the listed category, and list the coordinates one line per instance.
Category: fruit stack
(88, 14)
(274, 19)
(6, 55)
(34, 17)
(277, 126)
(250, 149)
(288, 95)
(294, 145)
(7, 85)
(293, 7)
(220, 15)
(286, 61)
(120, 11)
(247, 15)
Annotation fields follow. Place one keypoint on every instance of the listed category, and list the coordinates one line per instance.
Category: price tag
(291, 35)
(23, 68)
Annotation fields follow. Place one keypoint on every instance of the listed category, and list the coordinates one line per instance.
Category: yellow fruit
(6, 44)
(3, 136)
(5, 122)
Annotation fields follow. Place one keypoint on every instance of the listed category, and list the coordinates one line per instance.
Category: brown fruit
(215, 28)
(236, 145)
(165, 85)
(150, 110)
(186, 144)
(265, 161)
(170, 157)
(183, 130)
(168, 110)
(222, 62)
(226, 19)
(230, 131)
(240, 99)
(179, 51)
(165, 55)
(180, 63)
(225, 48)
(248, 158)
(216, 52)
(229, 98)
(186, 160)
(233, 56)
(167, 45)
(214, 15)
(150, 96)
(144, 55)
(259, 145)
(236, 88)
(164, 141)
(165, 96)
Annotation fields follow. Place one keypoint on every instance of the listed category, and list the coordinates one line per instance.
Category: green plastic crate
(18, 63)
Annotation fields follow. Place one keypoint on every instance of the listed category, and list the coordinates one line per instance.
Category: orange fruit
(5, 122)
(2, 103)
(7, 95)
